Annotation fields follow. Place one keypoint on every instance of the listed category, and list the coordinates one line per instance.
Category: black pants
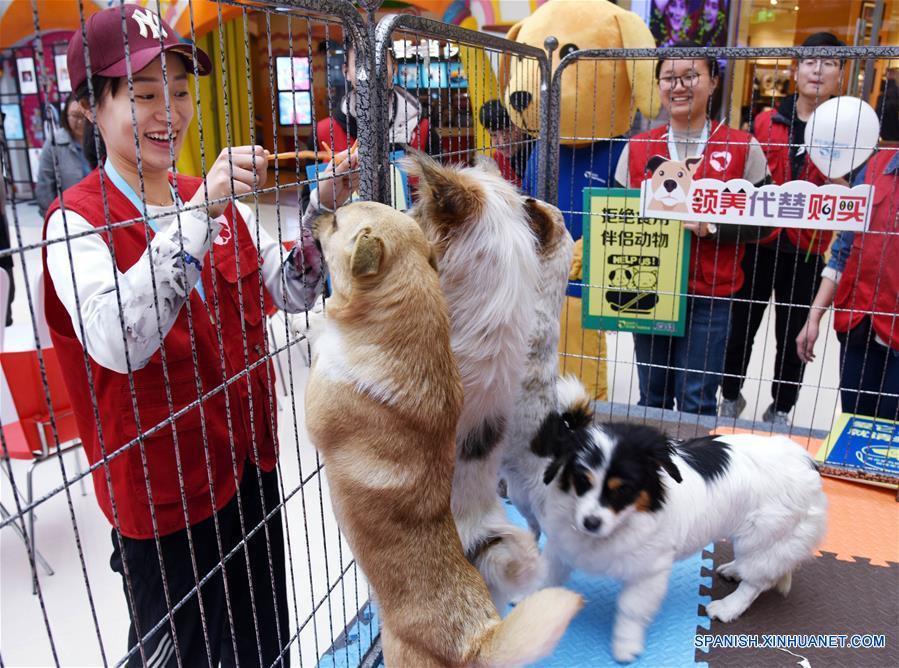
(244, 613)
(869, 374)
(794, 280)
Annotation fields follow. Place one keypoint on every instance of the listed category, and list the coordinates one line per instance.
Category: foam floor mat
(670, 639)
(353, 644)
(829, 598)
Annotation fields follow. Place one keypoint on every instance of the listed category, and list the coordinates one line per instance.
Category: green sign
(635, 268)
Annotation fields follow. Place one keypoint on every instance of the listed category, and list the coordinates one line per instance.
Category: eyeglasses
(687, 80)
(827, 64)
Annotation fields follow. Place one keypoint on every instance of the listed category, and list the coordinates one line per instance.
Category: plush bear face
(599, 97)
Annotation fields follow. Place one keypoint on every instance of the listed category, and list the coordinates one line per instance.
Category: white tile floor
(59, 626)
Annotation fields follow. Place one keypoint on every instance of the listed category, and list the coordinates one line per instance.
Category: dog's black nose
(591, 523)
(669, 185)
(520, 100)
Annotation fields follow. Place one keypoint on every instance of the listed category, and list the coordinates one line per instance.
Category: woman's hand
(805, 342)
(700, 229)
(840, 181)
(337, 184)
(248, 165)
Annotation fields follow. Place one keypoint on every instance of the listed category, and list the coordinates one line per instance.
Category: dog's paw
(722, 610)
(728, 572)
(626, 650)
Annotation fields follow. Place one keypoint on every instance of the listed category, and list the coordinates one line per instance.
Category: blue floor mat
(587, 642)
(353, 644)
(669, 641)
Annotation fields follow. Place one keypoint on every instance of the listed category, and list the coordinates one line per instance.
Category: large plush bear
(599, 99)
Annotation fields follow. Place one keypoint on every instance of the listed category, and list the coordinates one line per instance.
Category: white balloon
(841, 134)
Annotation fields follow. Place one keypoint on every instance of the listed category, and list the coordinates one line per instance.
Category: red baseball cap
(106, 44)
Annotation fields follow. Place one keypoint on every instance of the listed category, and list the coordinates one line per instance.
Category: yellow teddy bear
(599, 99)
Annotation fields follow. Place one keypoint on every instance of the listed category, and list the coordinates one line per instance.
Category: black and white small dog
(625, 501)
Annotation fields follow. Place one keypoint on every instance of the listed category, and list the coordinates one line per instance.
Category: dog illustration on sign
(670, 183)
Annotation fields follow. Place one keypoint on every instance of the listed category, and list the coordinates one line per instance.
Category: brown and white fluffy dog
(382, 402)
(537, 397)
(478, 224)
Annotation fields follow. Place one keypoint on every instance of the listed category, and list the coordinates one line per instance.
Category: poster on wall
(63, 82)
(700, 21)
(27, 76)
(635, 268)
(12, 122)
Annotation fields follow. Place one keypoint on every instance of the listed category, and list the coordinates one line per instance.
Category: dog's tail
(574, 402)
(531, 631)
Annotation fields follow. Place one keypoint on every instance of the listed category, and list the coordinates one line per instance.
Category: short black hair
(711, 63)
(101, 85)
(494, 117)
(823, 39)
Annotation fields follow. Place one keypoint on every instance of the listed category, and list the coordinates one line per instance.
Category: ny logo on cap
(147, 19)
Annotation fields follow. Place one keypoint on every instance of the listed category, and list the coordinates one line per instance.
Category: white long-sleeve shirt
(294, 281)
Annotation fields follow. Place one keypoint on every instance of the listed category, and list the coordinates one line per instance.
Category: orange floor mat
(862, 520)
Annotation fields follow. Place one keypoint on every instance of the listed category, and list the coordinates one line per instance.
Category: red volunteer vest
(230, 420)
(775, 139)
(714, 266)
(870, 283)
(328, 129)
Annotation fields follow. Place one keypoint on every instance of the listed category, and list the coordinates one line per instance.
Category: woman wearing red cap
(159, 326)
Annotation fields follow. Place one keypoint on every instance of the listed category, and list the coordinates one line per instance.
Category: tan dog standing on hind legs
(382, 402)
(487, 260)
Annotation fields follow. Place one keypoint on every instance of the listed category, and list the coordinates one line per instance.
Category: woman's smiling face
(113, 116)
(685, 87)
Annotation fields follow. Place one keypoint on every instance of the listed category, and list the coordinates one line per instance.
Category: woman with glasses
(788, 262)
(62, 162)
(685, 372)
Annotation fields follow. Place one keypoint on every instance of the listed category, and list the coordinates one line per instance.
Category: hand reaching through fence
(340, 180)
(238, 170)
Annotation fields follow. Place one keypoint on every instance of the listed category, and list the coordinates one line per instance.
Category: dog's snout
(669, 184)
(592, 522)
(520, 100)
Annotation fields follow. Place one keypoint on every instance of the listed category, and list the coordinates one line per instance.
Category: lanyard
(122, 186)
(703, 140)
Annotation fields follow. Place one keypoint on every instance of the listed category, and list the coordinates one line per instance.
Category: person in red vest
(788, 262)
(861, 280)
(684, 372)
(511, 145)
(408, 127)
(159, 326)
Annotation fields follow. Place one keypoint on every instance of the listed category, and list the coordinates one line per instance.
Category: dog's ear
(547, 440)
(540, 223)
(551, 470)
(367, 254)
(662, 451)
(692, 164)
(653, 163)
(451, 193)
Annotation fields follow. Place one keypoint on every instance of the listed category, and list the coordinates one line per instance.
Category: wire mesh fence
(743, 301)
(179, 370)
